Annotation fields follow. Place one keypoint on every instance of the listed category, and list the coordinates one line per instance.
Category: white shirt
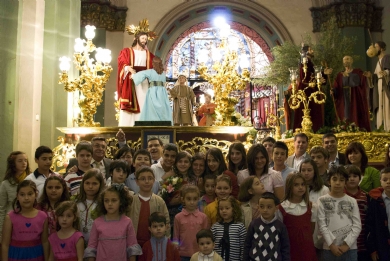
(295, 209)
(298, 160)
(158, 171)
(209, 257)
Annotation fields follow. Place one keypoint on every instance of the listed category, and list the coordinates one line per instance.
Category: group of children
(79, 217)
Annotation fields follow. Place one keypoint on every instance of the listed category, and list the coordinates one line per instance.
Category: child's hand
(374, 256)
(344, 247)
(335, 250)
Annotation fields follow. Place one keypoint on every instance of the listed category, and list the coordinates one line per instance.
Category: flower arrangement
(346, 126)
(287, 134)
(169, 186)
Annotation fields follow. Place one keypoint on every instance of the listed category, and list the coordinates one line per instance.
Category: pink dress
(112, 240)
(65, 249)
(26, 242)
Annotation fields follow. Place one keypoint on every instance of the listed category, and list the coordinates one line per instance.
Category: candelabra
(92, 76)
(299, 96)
(273, 119)
(226, 79)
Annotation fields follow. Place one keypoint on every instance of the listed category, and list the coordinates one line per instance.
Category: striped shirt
(73, 181)
(237, 235)
(361, 199)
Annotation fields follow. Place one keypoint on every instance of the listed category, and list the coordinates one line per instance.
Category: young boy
(182, 232)
(84, 157)
(141, 158)
(163, 169)
(352, 189)
(268, 143)
(206, 244)
(44, 160)
(279, 155)
(338, 219)
(159, 248)
(378, 239)
(265, 231)
(321, 157)
(145, 203)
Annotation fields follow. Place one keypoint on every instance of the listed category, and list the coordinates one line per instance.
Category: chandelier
(93, 76)
(224, 76)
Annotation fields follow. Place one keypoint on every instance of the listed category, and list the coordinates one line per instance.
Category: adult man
(381, 95)
(155, 147)
(301, 141)
(131, 60)
(98, 161)
(350, 92)
(329, 142)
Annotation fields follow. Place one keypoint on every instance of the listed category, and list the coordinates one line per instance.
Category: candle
(319, 75)
(304, 60)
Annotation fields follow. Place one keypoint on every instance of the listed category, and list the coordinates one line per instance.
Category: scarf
(224, 243)
(21, 177)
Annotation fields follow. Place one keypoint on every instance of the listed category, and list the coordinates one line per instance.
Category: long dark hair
(179, 156)
(251, 158)
(124, 197)
(243, 164)
(357, 147)
(44, 201)
(64, 206)
(191, 175)
(123, 151)
(218, 156)
(317, 182)
(25, 183)
(11, 167)
(92, 173)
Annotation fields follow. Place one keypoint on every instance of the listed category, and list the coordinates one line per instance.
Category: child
(25, 228)
(352, 189)
(68, 242)
(223, 189)
(266, 231)
(215, 165)
(236, 157)
(91, 186)
(209, 188)
(229, 232)
(196, 172)
(182, 165)
(268, 144)
(338, 219)
(309, 171)
(118, 172)
(279, 156)
(164, 169)
(17, 169)
(378, 236)
(188, 222)
(250, 192)
(54, 192)
(206, 244)
(145, 203)
(141, 158)
(44, 159)
(296, 214)
(112, 236)
(321, 157)
(84, 157)
(159, 247)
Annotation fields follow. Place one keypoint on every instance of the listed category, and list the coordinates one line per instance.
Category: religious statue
(183, 100)
(351, 95)
(136, 58)
(156, 107)
(207, 111)
(380, 83)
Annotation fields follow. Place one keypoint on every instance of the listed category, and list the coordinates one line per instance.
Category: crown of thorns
(143, 27)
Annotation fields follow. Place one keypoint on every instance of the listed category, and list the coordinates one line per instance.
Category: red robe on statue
(125, 86)
(350, 95)
(316, 110)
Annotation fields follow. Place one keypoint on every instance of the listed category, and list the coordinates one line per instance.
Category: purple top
(27, 229)
(64, 248)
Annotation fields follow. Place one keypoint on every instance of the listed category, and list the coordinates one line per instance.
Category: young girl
(25, 228)
(184, 233)
(67, 243)
(309, 171)
(296, 214)
(250, 192)
(182, 165)
(209, 188)
(216, 166)
(229, 233)
(223, 189)
(196, 173)
(91, 186)
(55, 191)
(112, 236)
(236, 157)
(17, 170)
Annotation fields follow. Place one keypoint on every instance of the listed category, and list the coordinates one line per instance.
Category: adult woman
(126, 154)
(207, 111)
(257, 161)
(356, 155)
(236, 157)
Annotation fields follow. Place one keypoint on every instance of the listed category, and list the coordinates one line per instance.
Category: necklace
(85, 228)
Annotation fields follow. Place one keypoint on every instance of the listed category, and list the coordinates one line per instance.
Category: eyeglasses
(146, 179)
(127, 157)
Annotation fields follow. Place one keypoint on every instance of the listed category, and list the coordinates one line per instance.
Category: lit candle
(319, 75)
(304, 60)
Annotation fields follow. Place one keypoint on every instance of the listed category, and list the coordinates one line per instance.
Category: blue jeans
(350, 255)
